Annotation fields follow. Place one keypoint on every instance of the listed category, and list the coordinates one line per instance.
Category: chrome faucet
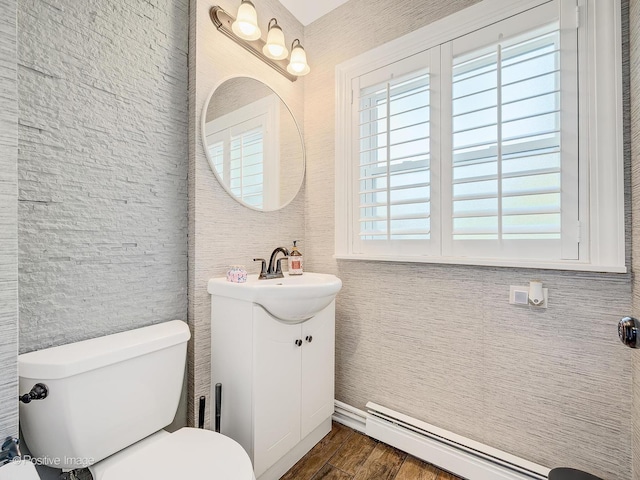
(274, 270)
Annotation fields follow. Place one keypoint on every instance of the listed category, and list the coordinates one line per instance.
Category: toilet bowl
(109, 399)
(187, 453)
(23, 470)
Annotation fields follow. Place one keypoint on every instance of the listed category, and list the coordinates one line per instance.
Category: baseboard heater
(451, 452)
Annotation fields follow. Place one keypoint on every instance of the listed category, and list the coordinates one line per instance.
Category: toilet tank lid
(74, 358)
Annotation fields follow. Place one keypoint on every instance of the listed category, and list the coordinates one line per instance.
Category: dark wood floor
(345, 454)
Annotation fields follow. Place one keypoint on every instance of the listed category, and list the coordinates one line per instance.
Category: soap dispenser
(295, 260)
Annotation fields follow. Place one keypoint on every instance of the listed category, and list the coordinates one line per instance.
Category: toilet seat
(187, 453)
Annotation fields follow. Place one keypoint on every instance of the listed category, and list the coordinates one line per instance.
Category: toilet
(108, 401)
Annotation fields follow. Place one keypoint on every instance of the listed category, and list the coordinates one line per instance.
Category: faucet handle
(263, 269)
(279, 265)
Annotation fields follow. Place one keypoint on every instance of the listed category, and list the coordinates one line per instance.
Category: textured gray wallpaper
(221, 231)
(102, 167)
(8, 222)
(634, 34)
(441, 343)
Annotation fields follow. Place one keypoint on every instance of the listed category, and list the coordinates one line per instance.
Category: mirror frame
(203, 122)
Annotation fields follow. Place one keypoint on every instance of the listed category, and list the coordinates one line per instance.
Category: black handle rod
(203, 400)
(218, 406)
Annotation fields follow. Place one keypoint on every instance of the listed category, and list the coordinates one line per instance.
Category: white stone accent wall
(441, 343)
(8, 222)
(103, 162)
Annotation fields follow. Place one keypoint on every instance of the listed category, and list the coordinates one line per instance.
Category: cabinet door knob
(309, 338)
(298, 342)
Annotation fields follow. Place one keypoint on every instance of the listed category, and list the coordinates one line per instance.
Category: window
(478, 148)
(238, 144)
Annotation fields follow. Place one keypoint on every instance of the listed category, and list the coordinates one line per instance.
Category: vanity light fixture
(246, 25)
(298, 64)
(275, 47)
(245, 32)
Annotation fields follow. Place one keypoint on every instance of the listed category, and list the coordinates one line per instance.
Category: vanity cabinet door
(276, 402)
(318, 336)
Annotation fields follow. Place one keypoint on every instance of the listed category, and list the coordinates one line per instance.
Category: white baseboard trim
(350, 416)
(461, 456)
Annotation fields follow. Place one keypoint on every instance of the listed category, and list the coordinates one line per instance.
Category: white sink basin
(294, 298)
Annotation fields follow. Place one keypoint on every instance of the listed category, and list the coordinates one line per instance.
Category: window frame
(601, 230)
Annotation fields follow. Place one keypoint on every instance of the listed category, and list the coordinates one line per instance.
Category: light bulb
(276, 51)
(298, 64)
(275, 47)
(246, 25)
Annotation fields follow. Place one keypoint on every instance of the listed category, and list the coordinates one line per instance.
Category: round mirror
(253, 144)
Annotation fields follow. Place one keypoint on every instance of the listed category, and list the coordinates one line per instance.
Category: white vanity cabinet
(277, 381)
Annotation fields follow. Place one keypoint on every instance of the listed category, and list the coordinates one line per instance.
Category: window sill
(488, 262)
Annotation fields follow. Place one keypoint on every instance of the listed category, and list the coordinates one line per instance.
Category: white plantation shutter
(512, 162)
(511, 152)
(465, 142)
(392, 142)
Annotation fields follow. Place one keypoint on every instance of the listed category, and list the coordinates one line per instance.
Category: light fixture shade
(275, 47)
(298, 63)
(246, 24)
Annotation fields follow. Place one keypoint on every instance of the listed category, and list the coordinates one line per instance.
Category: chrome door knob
(628, 331)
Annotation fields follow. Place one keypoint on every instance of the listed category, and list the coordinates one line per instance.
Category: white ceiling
(308, 11)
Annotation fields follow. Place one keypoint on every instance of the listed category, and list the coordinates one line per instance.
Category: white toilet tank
(104, 394)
